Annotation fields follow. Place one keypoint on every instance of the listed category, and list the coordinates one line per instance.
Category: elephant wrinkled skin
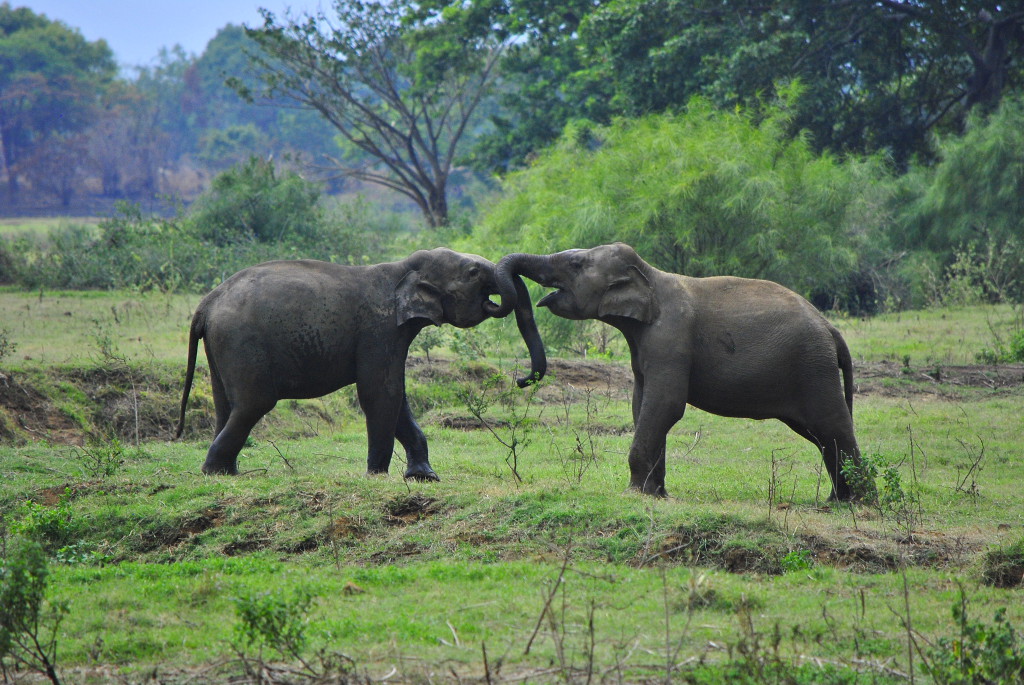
(304, 328)
(730, 346)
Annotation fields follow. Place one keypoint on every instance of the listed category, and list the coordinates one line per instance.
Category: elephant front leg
(656, 416)
(415, 443)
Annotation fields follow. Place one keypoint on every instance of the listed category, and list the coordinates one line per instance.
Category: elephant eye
(473, 272)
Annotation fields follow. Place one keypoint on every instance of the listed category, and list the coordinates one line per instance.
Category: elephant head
(609, 281)
(443, 286)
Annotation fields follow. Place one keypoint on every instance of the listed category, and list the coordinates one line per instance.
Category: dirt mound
(26, 413)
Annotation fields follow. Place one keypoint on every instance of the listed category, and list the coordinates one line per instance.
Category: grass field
(536, 566)
(40, 227)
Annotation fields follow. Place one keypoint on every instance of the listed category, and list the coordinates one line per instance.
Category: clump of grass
(1004, 566)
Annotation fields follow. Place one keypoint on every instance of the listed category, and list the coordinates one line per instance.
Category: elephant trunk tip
(536, 376)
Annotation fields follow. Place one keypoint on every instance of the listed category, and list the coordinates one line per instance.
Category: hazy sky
(137, 29)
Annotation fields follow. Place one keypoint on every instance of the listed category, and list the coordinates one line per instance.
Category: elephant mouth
(490, 308)
(548, 299)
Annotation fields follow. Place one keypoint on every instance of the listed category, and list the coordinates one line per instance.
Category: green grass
(419, 579)
(930, 336)
(39, 227)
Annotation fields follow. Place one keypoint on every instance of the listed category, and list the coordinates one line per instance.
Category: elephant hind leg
(836, 445)
(221, 405)
(222, 457)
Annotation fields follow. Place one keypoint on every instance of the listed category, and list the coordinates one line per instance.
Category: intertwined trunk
(515, 297)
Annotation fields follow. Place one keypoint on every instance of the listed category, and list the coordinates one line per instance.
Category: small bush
(254, 202)
(51, 527)
(861, 477)
(1004, 566)
(979, 654)
(274, 620)
(28, 628)
(1012, 352)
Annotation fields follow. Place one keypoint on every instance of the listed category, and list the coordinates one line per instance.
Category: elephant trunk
(509, 268)
(515, 296)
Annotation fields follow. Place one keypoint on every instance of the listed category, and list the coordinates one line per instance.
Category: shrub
(702, 193)
(1004, 566)
(51, 527)
(252, 201)
(28, 627)
(274, 620)
(979, 654)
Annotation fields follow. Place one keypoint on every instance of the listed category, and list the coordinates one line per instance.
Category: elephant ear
(415, 298)
(630, 295)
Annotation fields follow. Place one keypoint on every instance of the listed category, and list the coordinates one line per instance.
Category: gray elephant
(304, 328)
(730, 346)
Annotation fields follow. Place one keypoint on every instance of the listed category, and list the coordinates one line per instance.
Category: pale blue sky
(137, 29)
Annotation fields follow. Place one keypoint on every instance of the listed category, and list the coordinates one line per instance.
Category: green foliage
(879, 78)
(102, 459)
(1012, 352)
(253, 214)
(50, 76)
(253, 202)
(701, 193)
(798, 560)
(981, 653)
(973, 193)
(276, 620)
(51, 527)
(861, 477)
(29, 623)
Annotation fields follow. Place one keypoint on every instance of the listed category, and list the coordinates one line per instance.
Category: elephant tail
(845, 364)
(196, 331)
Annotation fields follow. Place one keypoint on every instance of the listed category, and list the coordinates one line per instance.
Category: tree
(878, 75)
(50, 80)
(400, 82)
(967, 207)
(537, 94)
(705, 192)
(126, 146)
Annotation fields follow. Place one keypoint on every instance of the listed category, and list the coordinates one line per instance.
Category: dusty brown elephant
(304, 328)
(730, 346)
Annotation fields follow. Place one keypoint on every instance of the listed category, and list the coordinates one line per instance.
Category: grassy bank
(533, 564)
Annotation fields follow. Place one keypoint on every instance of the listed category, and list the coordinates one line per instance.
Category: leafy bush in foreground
(28, 627)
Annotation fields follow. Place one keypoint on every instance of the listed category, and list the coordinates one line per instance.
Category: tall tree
(50, 80)
(400, 81)
(878, 74)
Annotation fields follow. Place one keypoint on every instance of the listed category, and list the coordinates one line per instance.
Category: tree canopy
(400, 82)
(704, 192)
(878, 75)
(51, 79)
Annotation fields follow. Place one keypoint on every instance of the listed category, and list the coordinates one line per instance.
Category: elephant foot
(650, 489)
(215, 469)
(421, 472)
(846, 495)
